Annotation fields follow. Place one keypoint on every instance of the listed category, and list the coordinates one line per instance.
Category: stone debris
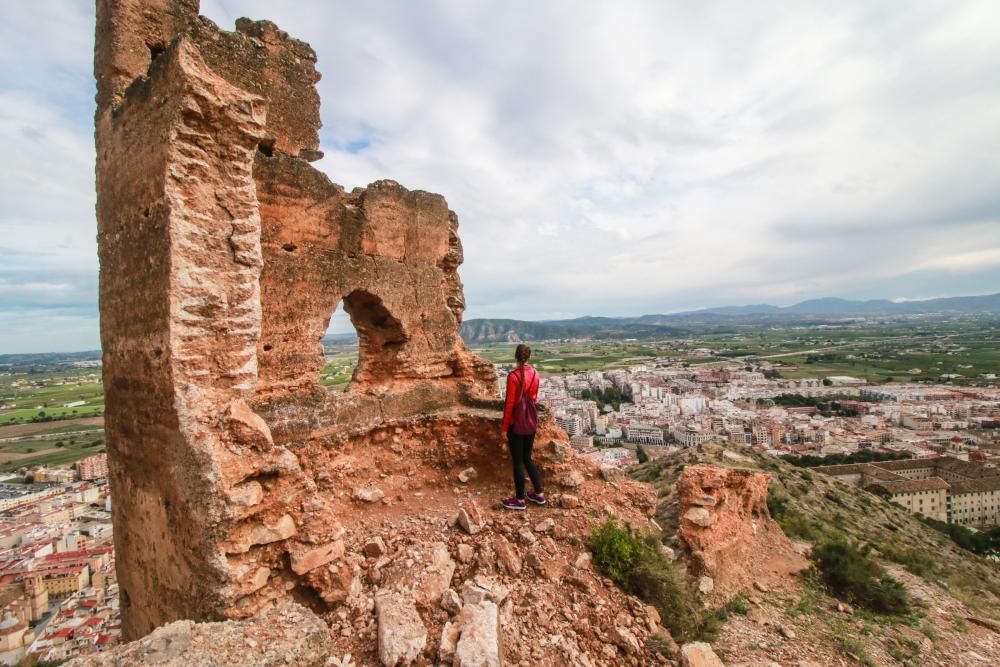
(467, 475)
(545, 525)
(484, 588)
(451, 602)
(401, 634)
(288, 634)
(473, 638)
(571, 479)
(307, 557)
(507, 556)
(374, 547)
(699, 654)
(369, 494)
(611, 473)
(466, 553)
(426, 575)
(569, 501)
(470, 518)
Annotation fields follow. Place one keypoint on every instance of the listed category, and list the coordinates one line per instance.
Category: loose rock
(401, 634)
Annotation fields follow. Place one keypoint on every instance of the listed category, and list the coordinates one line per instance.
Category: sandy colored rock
(425, 576)
(451, 602)
(732, 539)
(571, 479)
(466, 553)
(569, 501)
(507, 556)
(470, 518)
(369, 494)
(545, 525)
(304, 558)
(288, 634)
(401, 634)
(479, 636)
(699, 654)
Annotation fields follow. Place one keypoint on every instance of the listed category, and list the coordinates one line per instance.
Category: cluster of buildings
(58, 590)
(941, 487)
(670, 406)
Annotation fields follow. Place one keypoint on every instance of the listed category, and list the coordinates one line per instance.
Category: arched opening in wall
(368, 357)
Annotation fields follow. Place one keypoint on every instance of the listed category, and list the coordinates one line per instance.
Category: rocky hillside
(430, 570)
(954, 595)
(436, 573)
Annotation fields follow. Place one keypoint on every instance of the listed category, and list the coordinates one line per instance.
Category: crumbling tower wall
(223, 255)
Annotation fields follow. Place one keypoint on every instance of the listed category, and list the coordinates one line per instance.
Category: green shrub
(852, 575)
(914, 560)
(639, 566)
(615, 550)
(795, 524)
(738, 605)
(660, 642)
(777, 502)
(662, 584)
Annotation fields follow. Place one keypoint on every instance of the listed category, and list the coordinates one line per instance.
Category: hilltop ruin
(223, 255)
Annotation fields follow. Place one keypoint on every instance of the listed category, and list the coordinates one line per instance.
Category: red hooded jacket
(514, 390)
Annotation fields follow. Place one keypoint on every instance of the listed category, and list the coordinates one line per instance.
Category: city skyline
(651, 158)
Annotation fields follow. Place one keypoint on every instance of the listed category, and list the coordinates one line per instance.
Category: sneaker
(537, 498)
(513, 503)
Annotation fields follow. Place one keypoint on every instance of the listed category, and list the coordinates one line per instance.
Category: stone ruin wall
(223, 255)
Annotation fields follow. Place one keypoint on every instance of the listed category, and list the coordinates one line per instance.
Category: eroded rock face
(223, 255)
(729, 535)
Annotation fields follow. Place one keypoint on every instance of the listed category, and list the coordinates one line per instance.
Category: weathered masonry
(223, 255)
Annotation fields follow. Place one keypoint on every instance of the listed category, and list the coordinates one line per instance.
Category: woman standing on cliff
(520, 421)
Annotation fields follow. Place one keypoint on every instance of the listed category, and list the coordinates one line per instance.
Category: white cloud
(636, 157)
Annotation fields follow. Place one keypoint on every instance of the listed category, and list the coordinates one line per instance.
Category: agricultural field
(50, 443)
(880, 352)
(40, 396)
(339, 368)
(51, 412)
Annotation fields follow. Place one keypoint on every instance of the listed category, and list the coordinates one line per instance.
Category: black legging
(520, 457)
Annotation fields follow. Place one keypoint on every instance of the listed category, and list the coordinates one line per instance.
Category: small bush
(662, 643)
(639, 566)
(914, 560)
(852, 575)
(615, 550)
(834, 497)
(854, 647)
(738, 605)
(777, 502)
(662, 584)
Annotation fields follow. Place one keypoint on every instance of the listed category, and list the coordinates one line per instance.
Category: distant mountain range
(812, 311)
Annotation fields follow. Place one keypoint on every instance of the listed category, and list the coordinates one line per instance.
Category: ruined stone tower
(223, 255)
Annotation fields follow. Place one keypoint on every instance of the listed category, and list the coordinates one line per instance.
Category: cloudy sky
(603, 158)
